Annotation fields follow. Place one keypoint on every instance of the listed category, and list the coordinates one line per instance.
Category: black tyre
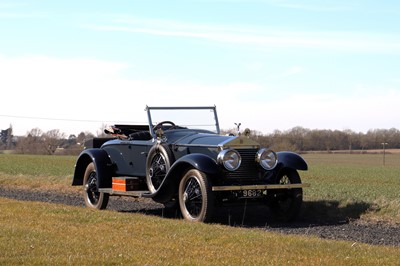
(93, 198)
(285, 204)
(196, 200)
(159, 161)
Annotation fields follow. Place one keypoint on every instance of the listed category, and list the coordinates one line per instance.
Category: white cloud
(358, 42)
(70, 92)
(294, 70)
(316, 6)
(39, 86)
(76, 90)
(39, 78)
(356, 111)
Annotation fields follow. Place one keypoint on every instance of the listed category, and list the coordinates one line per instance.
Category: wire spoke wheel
(192, 197)
(196, 200)
(158, 164)
(91, 189)
(157, 170)
(93, 198)
(285, 204)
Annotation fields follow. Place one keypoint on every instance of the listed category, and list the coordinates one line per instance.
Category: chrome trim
(259, 155)
(239, 142)
(222, 144)
(246, 187)
(221, 159)
(135, 193)
(197, 145)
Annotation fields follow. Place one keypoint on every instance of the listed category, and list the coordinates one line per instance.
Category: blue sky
(268, 64)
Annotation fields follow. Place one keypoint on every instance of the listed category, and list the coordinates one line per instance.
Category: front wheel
(285, 204)
(196, 199)
(93, 198)
(159, 161)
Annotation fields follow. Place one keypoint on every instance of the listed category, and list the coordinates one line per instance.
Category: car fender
(169, 186)
(102, 164)
(292, 160)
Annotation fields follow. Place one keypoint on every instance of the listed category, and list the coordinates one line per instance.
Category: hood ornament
(238, 128)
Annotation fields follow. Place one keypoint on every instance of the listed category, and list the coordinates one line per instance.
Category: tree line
(38, 142)
(302, 139)
(297, 139)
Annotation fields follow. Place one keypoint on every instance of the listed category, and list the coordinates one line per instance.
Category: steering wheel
(162, 123)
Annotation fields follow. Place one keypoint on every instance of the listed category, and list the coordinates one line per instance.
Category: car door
(129, 157)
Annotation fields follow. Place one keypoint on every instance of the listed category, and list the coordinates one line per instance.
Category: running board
(112, 192)
(248, 187)
(143, 193)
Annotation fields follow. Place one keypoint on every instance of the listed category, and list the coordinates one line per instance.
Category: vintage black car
(181, 159)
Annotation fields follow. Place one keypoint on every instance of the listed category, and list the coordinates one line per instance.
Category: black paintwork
(190, 148)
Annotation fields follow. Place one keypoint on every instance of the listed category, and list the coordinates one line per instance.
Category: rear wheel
(93, 198)
(285, 204)
(196, 199)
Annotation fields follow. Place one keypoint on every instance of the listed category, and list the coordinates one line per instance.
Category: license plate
(252, 193)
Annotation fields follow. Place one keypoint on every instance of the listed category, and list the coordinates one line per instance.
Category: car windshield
(203, 118)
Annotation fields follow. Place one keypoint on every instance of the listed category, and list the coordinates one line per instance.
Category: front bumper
(262, 187)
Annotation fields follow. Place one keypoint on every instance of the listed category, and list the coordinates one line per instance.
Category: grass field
(37, 171)
(343, 186)
(355, 185)
(48, 234)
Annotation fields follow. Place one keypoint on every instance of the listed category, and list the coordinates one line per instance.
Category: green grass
(37, 171)
(351, 177)
(355, 183)
(47, 234)
(37, 165)
(342, 187)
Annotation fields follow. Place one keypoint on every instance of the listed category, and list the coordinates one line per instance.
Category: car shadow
(313, 213)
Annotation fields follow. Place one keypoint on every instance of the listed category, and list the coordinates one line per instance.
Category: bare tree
(52, 140)
(31, 143)
(295, 139)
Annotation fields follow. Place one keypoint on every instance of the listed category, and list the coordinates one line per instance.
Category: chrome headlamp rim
(267, 158)
(230, 159)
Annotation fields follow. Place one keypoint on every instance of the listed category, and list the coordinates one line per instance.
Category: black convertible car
(181, 159)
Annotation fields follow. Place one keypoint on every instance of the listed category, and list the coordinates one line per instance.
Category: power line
(64, 119)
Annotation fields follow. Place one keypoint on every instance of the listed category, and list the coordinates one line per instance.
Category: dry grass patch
(384, 210)
(56, 234)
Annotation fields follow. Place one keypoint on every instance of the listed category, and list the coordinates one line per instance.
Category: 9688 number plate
(252, 193)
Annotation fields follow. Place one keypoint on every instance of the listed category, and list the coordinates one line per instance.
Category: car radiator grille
(249, 168)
